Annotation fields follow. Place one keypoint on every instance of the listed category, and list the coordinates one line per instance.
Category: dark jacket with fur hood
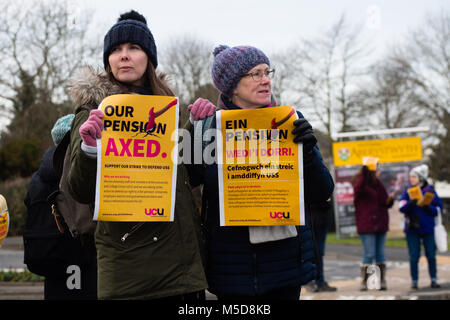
(158, 259)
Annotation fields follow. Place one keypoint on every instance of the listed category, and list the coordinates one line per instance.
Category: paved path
(397, 277)
(341, 270)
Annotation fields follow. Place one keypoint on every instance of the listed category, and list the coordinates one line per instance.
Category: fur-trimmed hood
(90, 86)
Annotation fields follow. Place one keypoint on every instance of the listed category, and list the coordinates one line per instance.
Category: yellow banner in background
(260, 168)
(386, 150)
(136, 175)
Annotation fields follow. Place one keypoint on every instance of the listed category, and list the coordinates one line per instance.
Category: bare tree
(288, 67)
(327, 71)
(40, 47)
(188, 61)
(389, 100)
(284, 64)
(427, 54)
(321, 77)
(411, 86)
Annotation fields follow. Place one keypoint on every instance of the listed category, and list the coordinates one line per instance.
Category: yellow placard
(260, 168)
(426, 200)
(136, 173)
(415, 193)
(386, 150)
(370, 162)
(4, 219)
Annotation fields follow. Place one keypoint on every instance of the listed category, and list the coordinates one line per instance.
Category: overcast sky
(268, 24)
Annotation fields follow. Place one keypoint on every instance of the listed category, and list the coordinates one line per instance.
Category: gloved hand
(412, 202)
(390, 201)
(201, 109)
(427, 209)
(304, 134)
(92, 128)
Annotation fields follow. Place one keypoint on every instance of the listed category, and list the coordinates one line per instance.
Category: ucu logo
(154, 212)
(279, 215)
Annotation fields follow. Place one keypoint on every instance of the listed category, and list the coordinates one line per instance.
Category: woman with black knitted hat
(157, 259)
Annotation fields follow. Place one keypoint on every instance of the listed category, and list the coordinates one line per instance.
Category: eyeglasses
(258, 75)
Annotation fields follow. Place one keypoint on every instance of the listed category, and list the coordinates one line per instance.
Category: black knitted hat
(130, 27)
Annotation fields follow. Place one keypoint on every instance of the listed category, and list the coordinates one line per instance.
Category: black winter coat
(234, 266)
(40, 223)
(158, 259)
(49, 253)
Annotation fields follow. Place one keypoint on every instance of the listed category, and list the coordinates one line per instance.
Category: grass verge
(19, 276)
(392, 243)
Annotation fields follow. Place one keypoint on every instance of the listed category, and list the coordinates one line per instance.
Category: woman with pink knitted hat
(255, 262)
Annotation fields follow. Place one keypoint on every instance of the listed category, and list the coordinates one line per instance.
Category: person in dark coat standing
(320, 216)
(419, 225)
(372, 221)
(71, 257)
(237, 266)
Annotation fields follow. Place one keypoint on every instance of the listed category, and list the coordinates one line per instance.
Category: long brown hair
(157, 82)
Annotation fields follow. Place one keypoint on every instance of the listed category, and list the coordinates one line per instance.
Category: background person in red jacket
(372, 221)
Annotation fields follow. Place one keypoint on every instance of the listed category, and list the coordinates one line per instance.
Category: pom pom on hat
(132, 15)
(219, 49)
(62, 125)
